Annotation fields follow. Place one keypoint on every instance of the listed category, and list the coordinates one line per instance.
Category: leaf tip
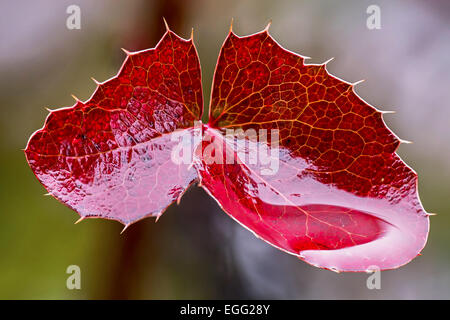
(79, 220)
(128, 53)
(328, 61)
(358, 82)
(334, 269)
(266, 29)
(95, 81)
(159, 215)
(231, 25)
(76, 99)
(47, 194)
(192, 34)
(405, 141)
(166, 25)
(125, 228)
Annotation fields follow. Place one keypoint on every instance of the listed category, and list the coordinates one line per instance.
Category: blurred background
(195, 251)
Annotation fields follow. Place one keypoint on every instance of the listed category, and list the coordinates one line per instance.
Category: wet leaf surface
(331, 189)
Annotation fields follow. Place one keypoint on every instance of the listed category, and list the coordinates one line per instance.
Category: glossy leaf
(110, 156)
(337, 196)
(341, 198)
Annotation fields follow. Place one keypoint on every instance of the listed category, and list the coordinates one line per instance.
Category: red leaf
(341, 198)
(110, 156)
(333, 193)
